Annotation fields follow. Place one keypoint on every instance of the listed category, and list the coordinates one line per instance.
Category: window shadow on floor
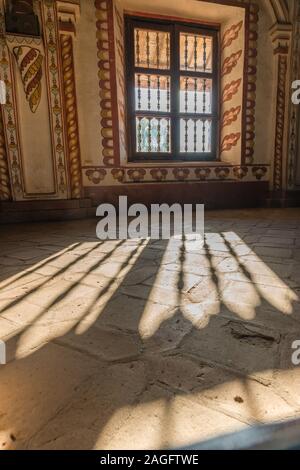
(151, 343)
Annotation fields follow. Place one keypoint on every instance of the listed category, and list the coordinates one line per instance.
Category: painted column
(67, 21)
(5, 190)
(281, 35)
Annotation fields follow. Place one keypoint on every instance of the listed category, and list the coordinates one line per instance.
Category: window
(172, 91)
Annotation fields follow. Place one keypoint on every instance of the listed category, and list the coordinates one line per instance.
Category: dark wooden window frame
(174, 28)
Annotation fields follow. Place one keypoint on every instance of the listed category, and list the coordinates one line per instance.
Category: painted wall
(241, 156)
(87, 84)
(253, 149)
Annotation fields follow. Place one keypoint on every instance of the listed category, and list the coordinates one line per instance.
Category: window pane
(195, 95)
(152, 134)
(151, 49)
(195, 135)
(196, 52)
(152, 92)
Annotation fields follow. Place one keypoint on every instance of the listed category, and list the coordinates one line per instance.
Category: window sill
(183, 163)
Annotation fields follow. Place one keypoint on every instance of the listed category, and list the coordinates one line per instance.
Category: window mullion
(131, 90)
(175, 96)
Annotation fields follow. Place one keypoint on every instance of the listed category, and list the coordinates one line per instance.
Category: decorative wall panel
(51, 39)
(32, 117)
(10, 122)
(27, 56)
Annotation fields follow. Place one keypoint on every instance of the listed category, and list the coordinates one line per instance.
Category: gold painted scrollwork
(30, 61)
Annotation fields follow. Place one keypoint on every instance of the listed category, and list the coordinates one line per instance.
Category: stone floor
(149, 344)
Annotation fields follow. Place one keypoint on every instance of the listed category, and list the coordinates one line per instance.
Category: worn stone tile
(277, 241)
(258, 280)
(133, 315)
(20, 287)
(173, 280)
(47, 270)
(111, 269)
(294, 275)
(172, 421)
(287, 376)
(8, 328)
(275, 252)
(228, 265)
(225, 341)
(34, 389)
(265, 316)
(64, 261)
(169, 335)
(247, 400)
(7, 261)
(85, 278)
(107, 345)
(26, 254)
(297, 254)
(140, 275)
(154, 294)
(59, 292)
(22, 313)
(206, 290)
(96, 411)
(186, 374)
(247, 297)
(198, 314)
